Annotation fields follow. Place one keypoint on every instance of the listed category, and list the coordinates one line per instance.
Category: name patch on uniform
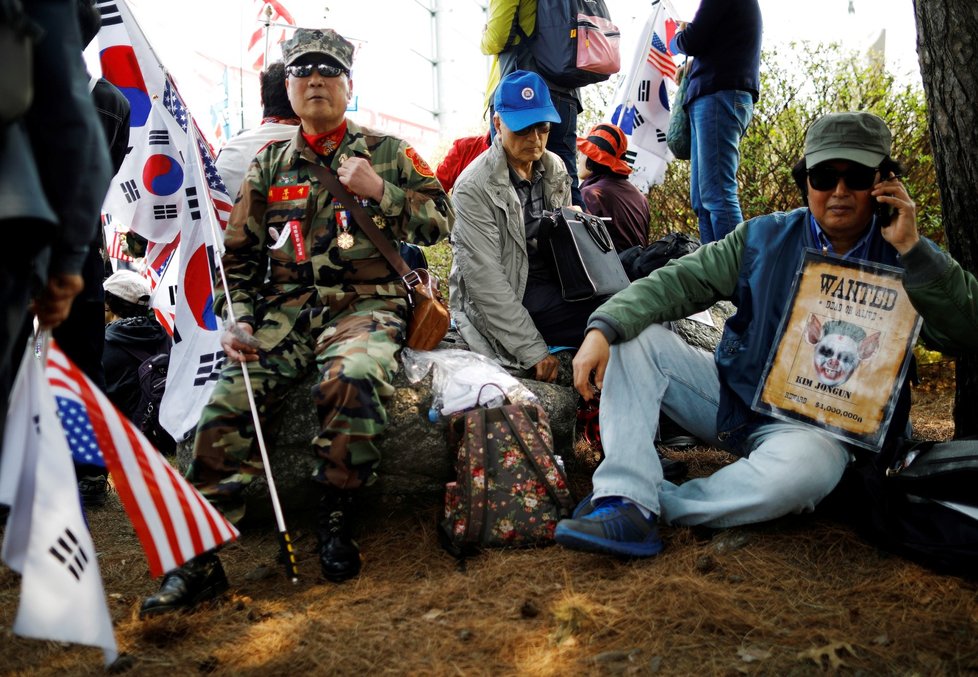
(287, 193)
(295, 229)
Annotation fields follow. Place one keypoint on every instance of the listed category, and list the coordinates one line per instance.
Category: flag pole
(267, 22)
(285, 541)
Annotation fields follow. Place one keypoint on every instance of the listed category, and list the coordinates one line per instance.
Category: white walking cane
(285, 540)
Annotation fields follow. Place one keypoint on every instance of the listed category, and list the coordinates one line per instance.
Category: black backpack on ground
(897, 500)
(152, 383)
(151, 373)
(639, 261)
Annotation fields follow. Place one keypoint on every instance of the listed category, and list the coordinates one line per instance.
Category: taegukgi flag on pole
(152, 170)
(46, 539)
(172, 520)
(129, 62)
(196, 356)
(641, 102)
(150, 180)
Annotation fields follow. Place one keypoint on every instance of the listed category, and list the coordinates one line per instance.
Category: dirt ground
(799, 596)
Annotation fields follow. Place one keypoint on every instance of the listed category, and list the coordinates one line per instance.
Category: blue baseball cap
(523, 99)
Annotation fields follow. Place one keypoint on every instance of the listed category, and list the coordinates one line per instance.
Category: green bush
(832, 81)
(798, 85)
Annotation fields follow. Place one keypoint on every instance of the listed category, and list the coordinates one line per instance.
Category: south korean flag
(150, 184)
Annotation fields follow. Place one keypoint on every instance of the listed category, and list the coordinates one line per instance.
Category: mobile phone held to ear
(884, 211)
(884, 214)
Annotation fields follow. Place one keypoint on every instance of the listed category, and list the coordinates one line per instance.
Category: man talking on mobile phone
(642, 368)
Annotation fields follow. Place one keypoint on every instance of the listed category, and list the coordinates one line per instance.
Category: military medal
(344, 240)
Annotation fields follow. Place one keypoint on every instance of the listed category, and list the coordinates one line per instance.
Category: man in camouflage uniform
(331, 300)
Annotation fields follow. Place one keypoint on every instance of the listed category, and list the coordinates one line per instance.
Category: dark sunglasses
(540, 127)
(305, 70)
(857, 177)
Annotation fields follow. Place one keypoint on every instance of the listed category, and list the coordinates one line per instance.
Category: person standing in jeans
(724, 39)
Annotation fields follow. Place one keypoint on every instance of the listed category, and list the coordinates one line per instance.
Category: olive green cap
(854, 136)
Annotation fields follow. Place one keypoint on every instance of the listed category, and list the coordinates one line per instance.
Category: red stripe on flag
(143, 493)
(662, 63)
(104, 438)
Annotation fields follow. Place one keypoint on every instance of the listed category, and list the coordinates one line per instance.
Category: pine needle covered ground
(798, 596)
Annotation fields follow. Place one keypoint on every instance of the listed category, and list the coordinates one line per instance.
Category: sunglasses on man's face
(305, 70)
(540, 127)
(857, 177)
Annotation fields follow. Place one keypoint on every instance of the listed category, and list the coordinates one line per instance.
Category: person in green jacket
(641, 368)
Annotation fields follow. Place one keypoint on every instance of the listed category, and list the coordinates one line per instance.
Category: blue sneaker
(614, 527)
(583, 508)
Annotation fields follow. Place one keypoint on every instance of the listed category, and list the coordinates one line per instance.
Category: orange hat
(606, 144)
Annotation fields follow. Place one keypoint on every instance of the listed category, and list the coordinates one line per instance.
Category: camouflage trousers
(356, 356)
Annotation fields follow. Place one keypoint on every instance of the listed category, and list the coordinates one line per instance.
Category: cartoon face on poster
(842, 350)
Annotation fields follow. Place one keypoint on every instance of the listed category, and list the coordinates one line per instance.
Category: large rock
(416, 461)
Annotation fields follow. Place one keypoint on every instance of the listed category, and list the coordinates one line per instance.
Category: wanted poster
(842, 350)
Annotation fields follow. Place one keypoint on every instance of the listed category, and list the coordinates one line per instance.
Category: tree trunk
(947, 45)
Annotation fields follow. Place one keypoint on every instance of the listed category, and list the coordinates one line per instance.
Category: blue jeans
(786, 467)
(563, 140)
(717, 123)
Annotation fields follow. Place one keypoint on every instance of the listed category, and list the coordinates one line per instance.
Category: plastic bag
(459, 377)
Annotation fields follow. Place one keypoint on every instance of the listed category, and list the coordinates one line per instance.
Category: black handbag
(584, 255)
(943, 471)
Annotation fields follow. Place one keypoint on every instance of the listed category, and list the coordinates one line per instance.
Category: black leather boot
(339, 554)
(200, 579)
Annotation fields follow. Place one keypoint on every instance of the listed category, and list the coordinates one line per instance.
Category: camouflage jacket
(309, 275)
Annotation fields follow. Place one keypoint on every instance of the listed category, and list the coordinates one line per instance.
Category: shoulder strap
(138, 354)
(539, 458)
(474, 447)
(516, 30)
(363, 219)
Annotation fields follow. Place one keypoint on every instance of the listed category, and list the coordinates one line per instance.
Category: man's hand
(54, 303)
(359, 177)
(901, 232)
(592, 357)
(546, 369)
(239, 343)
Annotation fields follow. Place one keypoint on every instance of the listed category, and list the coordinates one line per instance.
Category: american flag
(218, 192)
(172, 520)
(660, 58)
(256, 46)
(159, 256)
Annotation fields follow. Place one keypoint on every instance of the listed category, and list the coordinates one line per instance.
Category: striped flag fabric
(46, 539)
(163, 280)
(115, 241)
(256, 45)
(218, 192)
(173, 522)
(660, 57)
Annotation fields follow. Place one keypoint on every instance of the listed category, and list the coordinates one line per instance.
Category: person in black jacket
(82, 335)
(54, 173)
(132, 335)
